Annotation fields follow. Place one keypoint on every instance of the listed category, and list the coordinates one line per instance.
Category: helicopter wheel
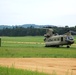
(57, 46)
(68, 46)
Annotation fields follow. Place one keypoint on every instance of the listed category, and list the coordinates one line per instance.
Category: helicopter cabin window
(50, 40)
(61, 38)
(58, 39)
(54, 39)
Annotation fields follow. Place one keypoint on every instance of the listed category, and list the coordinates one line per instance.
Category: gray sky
(42, 12)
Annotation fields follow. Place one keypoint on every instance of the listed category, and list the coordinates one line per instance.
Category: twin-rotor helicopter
(55, 40)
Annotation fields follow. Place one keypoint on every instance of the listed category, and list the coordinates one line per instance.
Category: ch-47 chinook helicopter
(55, 40)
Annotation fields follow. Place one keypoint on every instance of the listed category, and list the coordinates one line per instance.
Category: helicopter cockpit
(70, 39)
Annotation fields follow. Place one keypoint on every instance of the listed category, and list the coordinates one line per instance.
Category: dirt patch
(60, 66)
(22, 42)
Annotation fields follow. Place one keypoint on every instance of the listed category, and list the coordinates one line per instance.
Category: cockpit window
(70, 38)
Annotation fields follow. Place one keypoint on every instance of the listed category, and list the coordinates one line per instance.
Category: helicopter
(55, 40)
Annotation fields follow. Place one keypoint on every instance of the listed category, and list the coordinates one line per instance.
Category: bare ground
(60, 66)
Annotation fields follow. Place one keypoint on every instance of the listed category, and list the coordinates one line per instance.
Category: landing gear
(57, 46)
(52, 46)
(68, 46)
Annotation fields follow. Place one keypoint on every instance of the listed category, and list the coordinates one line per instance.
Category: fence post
(0, 42)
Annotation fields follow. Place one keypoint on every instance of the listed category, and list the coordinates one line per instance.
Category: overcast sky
(42, 12)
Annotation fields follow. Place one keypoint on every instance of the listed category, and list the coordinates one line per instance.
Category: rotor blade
(73, 32)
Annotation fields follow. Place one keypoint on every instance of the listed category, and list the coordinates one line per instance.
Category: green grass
(24, 39)
(33, 47)
(13, 71)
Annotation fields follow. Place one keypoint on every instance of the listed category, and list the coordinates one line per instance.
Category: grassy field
(33, 46)
(13, 71)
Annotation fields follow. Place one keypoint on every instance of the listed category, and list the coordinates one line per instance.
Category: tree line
(20, 31)
(31, 31)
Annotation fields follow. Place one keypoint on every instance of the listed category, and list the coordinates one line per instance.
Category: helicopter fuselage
(58, 40)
